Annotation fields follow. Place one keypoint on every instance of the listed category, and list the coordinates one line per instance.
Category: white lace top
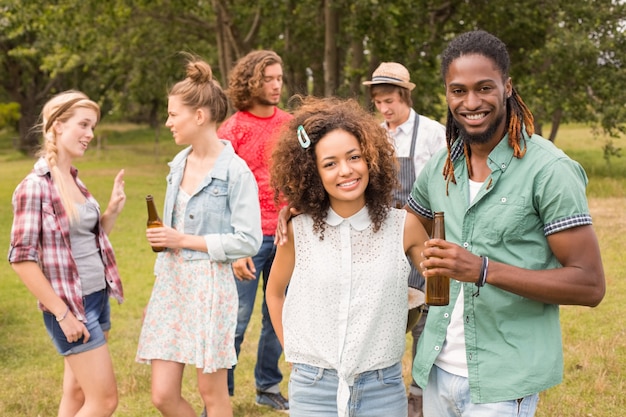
(346, 304)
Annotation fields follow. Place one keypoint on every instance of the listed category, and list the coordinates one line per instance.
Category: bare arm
(34, 279)
(415, 237)
(580, 280)
(427, 223)
(116, 204)
(282, 268)
(169, 237)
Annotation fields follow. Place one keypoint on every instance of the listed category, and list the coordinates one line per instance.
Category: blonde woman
(60, 250)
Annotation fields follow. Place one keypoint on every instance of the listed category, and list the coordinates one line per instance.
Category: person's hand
(164, 237)
(284, 215)
(244, 269)
(450, 260)
(73, 329)
(118, 196)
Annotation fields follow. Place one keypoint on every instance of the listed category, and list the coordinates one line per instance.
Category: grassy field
(31, 371)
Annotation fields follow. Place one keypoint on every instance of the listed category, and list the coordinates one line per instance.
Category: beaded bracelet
(482, 276)
(60, 319)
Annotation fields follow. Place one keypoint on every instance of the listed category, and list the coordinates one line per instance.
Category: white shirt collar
(406, 127)
(359, 221)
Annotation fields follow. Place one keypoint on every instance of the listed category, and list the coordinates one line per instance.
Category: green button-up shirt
(512, 344)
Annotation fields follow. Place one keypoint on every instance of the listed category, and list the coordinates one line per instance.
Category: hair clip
(303, 138)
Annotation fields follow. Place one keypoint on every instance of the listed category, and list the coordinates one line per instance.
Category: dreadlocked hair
(518, 115)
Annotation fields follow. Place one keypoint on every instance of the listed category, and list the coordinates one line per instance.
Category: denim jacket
(224, 209)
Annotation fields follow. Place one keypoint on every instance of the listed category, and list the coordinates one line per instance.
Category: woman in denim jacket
(211, 218)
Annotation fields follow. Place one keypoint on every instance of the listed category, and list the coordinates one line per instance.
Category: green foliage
(610, 151)
(9, 114)
(567, 55)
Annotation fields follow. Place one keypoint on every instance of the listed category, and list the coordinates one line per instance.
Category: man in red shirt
(254, 89)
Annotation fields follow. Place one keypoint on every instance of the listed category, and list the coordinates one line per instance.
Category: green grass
(31, 371)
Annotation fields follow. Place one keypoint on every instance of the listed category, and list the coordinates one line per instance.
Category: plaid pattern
(564, 224)
(41, 233)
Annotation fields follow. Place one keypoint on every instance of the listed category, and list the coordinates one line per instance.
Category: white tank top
(347, 301)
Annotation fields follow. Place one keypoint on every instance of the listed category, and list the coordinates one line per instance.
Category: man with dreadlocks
(519, 243)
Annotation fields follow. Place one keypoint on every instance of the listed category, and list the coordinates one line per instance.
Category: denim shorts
(313, 392)
(98, 313)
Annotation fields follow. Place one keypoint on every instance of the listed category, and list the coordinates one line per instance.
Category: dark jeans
(267, 374)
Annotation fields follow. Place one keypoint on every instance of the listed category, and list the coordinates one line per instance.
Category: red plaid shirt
(41, 233)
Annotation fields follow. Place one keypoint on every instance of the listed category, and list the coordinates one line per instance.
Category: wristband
(60, 319)
(482, 276)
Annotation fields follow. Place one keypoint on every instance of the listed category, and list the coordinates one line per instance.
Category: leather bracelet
(60, 319)
(482, 276)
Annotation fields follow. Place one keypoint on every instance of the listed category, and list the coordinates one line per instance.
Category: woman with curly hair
(342, 322)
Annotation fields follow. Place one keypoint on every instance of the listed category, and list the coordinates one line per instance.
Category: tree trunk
(294, 68)
(331, 60)
(29, 137)
(224, 58)
(556, 122)
(357, 62)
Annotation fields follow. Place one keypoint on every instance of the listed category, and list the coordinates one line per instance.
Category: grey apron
(401, 195)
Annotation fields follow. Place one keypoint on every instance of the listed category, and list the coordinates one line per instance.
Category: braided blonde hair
(61, 108)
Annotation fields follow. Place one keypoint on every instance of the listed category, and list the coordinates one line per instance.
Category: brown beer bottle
(438, 287)
(153, 219)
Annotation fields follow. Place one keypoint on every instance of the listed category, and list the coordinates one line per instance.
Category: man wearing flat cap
(416, 138)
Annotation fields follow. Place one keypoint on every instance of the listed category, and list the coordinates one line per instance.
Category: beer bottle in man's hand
(438, 287)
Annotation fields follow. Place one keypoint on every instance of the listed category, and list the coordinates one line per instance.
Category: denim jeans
(313, 392)
(448, 395)
(98, 313)
(267, 374)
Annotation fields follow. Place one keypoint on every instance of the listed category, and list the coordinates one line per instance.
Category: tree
(566, 55)
(22, 41)
(121, 54)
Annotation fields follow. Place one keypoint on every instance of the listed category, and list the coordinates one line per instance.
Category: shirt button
(446, 315)
(503, 166)
(191, 216)
(465, 244)
(503, 200)
(437, 348)
(215, 191)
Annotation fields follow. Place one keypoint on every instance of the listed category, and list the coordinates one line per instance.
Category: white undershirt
(452, 358)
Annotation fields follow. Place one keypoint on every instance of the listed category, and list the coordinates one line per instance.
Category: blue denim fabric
(98, 312)
(224, 209)
(313, 393)
(266, 372)
(448, 395)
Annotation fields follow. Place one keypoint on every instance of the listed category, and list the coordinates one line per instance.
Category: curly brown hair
(294, 172)
(245, 80)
